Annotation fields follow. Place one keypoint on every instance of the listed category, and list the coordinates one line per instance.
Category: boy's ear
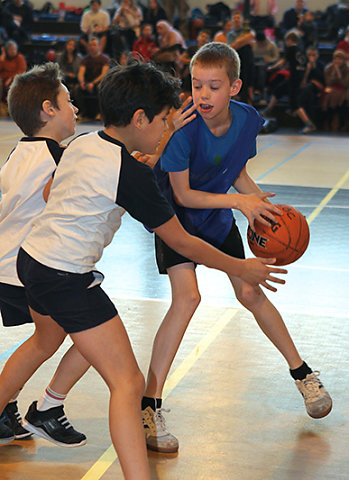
(48, 108)
(140, 119)
(235, 87)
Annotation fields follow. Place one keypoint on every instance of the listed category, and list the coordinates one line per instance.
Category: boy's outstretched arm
(254, 271)
(254, 205)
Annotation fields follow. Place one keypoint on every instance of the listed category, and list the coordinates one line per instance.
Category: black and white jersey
(96, 181)
(22, 180)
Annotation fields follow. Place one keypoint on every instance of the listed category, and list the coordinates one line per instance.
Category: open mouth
(205, 107)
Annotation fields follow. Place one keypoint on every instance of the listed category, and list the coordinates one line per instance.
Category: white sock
(50, 399)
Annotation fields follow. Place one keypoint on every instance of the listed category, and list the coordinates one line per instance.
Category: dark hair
(75, 52)
(260, 36)
(27, 93)
(95, 1)
(218, 54)
(126, 89)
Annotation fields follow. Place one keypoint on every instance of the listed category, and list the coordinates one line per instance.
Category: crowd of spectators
(299, 63)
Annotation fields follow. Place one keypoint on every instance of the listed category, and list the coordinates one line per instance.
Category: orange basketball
(285, 240)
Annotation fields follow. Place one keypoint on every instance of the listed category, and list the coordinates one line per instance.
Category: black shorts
(71, 299)
(166, 257)
(14, 305)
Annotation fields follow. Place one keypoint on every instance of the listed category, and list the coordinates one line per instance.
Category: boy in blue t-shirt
(204, 159)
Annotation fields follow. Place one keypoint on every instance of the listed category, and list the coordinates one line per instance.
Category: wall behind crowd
(283, 4)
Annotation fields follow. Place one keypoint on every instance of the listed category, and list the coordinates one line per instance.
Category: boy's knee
(249, 296)
(133, 384)
(189, 301)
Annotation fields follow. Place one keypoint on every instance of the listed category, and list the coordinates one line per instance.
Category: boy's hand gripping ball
(285, 240)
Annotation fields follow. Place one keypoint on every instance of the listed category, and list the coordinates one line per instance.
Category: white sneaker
(158, 438)
(308, 129)
(318, 402)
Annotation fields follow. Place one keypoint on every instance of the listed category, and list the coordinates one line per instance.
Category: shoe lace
(311, 385)
(159, 419)
(64, 422)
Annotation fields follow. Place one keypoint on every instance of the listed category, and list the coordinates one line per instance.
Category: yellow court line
(328, 197)
(109, 456)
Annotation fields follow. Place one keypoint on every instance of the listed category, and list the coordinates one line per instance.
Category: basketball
(285, 240)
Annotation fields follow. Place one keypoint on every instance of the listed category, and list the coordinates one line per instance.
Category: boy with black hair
(96, 181)
(41, 107)
(203, 160)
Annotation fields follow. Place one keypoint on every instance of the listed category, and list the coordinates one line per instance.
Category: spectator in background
(242, 42)
(153, 13)
(172, 44)
(308, 30)
(265, 53)
(94, 22)
(11, 63)
(18, 20)
(69, 63)
(92, 69)
(222, 35)
(312, 85)
(293, 17)
(126, 27)
(344, 44)
(181, 7)
(336, 89)
(263, 13)
(145, 46)
(296, 61)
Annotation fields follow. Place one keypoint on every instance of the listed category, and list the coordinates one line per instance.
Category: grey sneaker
(318, 402)
(157, 437)
(308, 129)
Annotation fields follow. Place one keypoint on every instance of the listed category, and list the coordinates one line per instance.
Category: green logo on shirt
(217, 159)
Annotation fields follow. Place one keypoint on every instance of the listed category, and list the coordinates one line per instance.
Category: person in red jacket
(144, 47)
(11, 63)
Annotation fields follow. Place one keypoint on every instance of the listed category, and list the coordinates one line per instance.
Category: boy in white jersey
(96, 181)
(41, 107)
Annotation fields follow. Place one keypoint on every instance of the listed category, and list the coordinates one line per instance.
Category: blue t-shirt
(214, 164)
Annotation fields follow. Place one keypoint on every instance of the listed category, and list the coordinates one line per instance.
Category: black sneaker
(16, 421)
(7, 435)
(53, 425)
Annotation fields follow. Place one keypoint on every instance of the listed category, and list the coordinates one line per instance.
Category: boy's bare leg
(268, 319)
(185, 300)
(44, 342)
(108, 349)
(69, 371)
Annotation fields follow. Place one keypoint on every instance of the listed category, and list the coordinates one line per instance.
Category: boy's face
(212, 91)
(65, 118)
(152, 132)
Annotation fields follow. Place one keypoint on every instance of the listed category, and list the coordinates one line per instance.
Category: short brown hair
(218, 54)
(27, 93)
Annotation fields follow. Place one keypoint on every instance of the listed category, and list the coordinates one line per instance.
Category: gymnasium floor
(234, 407)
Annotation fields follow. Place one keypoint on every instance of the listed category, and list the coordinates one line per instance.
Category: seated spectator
(171, 45)
(293, 17)
(337, 17)
(242, 42)
(263, 13)
(265, 53)
(92, 69)
(296, 61)
(311, 87)
(336, 89)
(94, 22)
(145, 46)
(18, 20)
(222, 35)
(344, 44)
(202, 38)
(69, 62)
(11, 63)
(153, 13)
(308, 29)
(125, 27)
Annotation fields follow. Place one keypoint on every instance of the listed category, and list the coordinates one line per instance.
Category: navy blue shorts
(14, 305)
(166, 257)
(73, 300)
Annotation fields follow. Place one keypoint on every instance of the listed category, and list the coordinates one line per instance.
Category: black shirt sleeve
(139, 194)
